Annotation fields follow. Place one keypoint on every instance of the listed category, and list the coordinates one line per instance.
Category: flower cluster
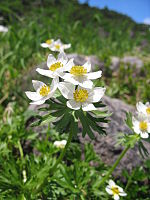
(55, 45)
(76, 83)
(141, 124)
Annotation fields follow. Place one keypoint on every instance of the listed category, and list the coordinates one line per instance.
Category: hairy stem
(114, 166)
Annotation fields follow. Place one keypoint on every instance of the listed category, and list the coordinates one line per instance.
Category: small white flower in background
(81, 75)
(55, 66)
(60, 144)
(81, 97)
(115, 190)
(59, 46)
(141, 126)
(3, 29)
(43, 91)
(47, 43)
(24, 176)
(143, 109)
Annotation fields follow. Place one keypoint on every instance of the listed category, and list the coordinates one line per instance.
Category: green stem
(20, 150)
(114, 166)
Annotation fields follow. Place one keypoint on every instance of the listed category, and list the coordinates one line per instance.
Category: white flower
(141, 126)
(55, 66)
(60, 144)
(43, 91)
(79, 75)
(3, 29)
(115, 190)
(59, 46)
(143, 109)
(47, 43)
(81, 97)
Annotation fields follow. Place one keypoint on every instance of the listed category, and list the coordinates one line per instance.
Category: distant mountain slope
(89, 29)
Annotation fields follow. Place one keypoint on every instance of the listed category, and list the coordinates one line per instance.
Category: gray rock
(106, 147)
(133, 61)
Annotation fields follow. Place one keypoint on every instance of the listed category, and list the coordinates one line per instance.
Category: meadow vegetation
(90, 31)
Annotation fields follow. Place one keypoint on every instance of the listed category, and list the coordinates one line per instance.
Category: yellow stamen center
(44, 91)
(115, 190)
(57, 46)
(148, 110)
(78, 70)
(80, 95)
(143, 126)
(55, 66)
(48, 41)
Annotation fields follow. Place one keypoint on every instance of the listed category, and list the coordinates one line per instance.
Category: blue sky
(138, 10)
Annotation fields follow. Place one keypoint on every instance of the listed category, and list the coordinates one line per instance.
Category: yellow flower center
(143, 126)
(115, 190)
(78, 70)
(48, 41)
(80, 95)
(44, 91)
(148, 110)
(55, 66)
(57, 46)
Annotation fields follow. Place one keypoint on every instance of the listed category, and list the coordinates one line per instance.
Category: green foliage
(138, 182)
(61, 116)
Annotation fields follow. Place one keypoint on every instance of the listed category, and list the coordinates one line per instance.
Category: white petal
(147, 104)
(44, 45)
(64, 142)
(144, 135)
(88, 107)
(108, 190)
(58, 41)
(54, 84)
(141, 107)
(69, 65)
(67, 89)
(116, 197)
(112, 183)
(120, 188)
(135, 125)
(69, 78)
(148, 129)
(62, 58)
(34, 96)
(94, 75)
(96, 94)
(47, 73)
(86, 84)
(66, 46)
(73, 104)
(38, 102)
(123, 194)
(37, 84)
(51, 60)
(87, 65)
